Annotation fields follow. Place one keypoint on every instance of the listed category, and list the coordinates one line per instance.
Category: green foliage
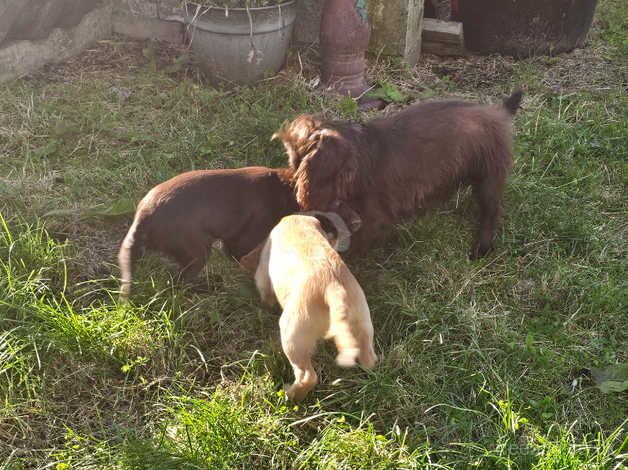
(388, 92)
(116, 208)
(342, 446)
(613, 15)
(348, 107)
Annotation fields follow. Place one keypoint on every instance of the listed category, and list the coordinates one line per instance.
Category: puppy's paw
(368, 359)
(295, 392)
(347, 357)
(478, 250)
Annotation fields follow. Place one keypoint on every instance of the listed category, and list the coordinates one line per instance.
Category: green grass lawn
(488, 364)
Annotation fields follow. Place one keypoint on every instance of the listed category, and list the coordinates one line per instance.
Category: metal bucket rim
(239, 9)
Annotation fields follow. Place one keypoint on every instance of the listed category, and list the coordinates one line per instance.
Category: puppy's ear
(354, 222)
(298, 137)
(328, 172)
(348, 215)
(347, 173)
(250, 261)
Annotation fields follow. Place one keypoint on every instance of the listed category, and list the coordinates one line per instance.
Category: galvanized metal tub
(238, 46)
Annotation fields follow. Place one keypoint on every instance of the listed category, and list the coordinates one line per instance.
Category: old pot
(344, 38)
(240, 46)
(525, 27)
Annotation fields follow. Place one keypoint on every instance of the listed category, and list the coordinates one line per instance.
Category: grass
(484, 364)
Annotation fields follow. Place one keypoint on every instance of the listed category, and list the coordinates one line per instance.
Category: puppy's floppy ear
(350, 216)
(297, 137)
(328, 172)
(347, 172)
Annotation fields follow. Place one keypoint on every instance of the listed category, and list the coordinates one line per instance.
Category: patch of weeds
(612, 15)
(31, 262)
(348, 107)
(17, 361)
(340, 445)
(560, 449)
(388, 92)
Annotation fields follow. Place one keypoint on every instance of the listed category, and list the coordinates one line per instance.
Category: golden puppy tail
(340, 327)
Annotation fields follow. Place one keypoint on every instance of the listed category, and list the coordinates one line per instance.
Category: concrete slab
(143, 27)
(20, 57)
(35, 19)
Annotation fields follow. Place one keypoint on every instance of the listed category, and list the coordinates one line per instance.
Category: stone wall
(36, 32)
(149, 19)
(36, 19)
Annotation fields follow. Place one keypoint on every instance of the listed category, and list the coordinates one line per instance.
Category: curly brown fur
(399, 166)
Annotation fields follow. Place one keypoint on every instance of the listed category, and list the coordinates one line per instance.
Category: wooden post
(442, 37)
(412, 49)
(396, 28)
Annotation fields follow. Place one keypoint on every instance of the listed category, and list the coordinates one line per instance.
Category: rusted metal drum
(525, 27)
(344, 38)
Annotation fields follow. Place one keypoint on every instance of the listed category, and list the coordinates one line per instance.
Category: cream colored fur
(319, 296)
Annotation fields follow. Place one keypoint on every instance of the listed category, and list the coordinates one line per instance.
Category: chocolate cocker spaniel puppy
(184, 215)
(390, 168)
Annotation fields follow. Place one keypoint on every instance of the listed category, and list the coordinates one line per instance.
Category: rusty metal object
(344, 38)
(526, 28)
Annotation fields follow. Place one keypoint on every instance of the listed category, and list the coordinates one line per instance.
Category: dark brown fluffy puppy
(398, 166)
(184, 215)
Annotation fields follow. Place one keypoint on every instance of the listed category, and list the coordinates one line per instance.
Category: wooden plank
(412, 49)
(442, 48)
(442, 31)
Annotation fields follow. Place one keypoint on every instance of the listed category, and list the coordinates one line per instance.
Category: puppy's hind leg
(298, 340)
(340, 327)
(191, 254)
(367, 356)
(489, 197)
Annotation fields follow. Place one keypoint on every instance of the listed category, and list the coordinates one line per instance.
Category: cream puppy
(319, 296)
